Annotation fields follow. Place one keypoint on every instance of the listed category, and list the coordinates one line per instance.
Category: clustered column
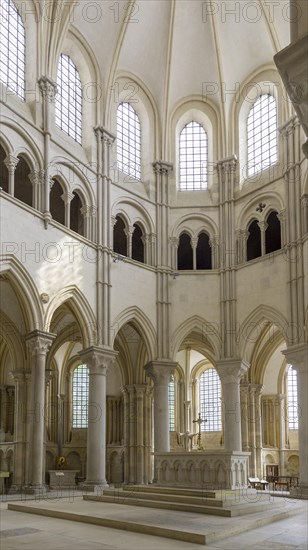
(160, 372)
(38, 344)
(230, 372)
(98, 360)
(297, 356)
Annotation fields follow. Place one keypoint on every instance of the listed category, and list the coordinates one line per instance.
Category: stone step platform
(193, 504)
(128, 492)
(188, 527)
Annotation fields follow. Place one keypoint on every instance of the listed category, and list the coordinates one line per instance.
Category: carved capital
(160, 371)
(161, 167)
(39, 342)
(48, 88)
(98, 359)
(104, 135)
(297, 356)
(11, 162)
(67, 197)
(231, 371)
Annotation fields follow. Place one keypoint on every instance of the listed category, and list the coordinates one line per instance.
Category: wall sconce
(174, 275)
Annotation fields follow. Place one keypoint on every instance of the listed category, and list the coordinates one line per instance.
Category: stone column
(230, 372)
(105, 141)
(19, 424)
(258, 428)
(11, 162)
(67, 197)
(36, 177)
(3, 425)
(263, 227)
(244, 388)
(194, 244)
(38, 344)
(297, 356)
(98, 360)
(48, 90)
(305, 214)
(129, 234)
(163, 172)
(160, 371)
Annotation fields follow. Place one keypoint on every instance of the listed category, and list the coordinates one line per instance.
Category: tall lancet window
(80, 396)
(128, 141)
(292, 399)
(193, 157)
(69, 99)
(210, 400)
(171, 391)
(262, 134)
(12, 48)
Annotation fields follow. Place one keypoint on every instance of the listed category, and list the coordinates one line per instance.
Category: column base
(300, 492)
(35, 489)
(96, 487)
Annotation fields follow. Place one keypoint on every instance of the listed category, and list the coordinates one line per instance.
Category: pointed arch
(21, 281)
(137, 317)
(205, 333)
(252, 327)
(81, 308)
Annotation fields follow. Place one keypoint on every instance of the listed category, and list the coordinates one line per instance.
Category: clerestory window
(193, 157)
(12, 48)
(69, 99)
(128, 141)
(262, 134)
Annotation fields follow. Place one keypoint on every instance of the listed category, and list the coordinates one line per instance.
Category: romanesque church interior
(154, 247)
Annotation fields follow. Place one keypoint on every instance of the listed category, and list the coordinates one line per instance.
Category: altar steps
(184, 526)
(194, 504)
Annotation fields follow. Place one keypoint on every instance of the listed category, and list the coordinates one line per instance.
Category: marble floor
(26, 531)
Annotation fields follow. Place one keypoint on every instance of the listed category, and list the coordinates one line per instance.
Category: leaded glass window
(292, 399)
(12, 48)
(69, 98)
(80, 396)
(210, 400)
(262, 134)
(128, 141)
(171, 406)
(193, 157)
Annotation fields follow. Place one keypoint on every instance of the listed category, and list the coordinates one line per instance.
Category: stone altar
(62, 478)
(215, 469)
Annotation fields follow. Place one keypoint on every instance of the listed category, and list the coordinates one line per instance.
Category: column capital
(98, 359)
(162, 167)
(18, 376)
(38, 341)
(256, 389)
(48, 88)
(289, 127)
(36, 177)
(11, 162)
(174, 241)
(104, 135)
(160, 370)
(263, 226)
(194, 242)
(228, 163)
(67, 197)
(88, 211)
(297, 356)
(231, 370)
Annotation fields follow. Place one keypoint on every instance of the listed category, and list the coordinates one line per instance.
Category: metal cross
(199, 421)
